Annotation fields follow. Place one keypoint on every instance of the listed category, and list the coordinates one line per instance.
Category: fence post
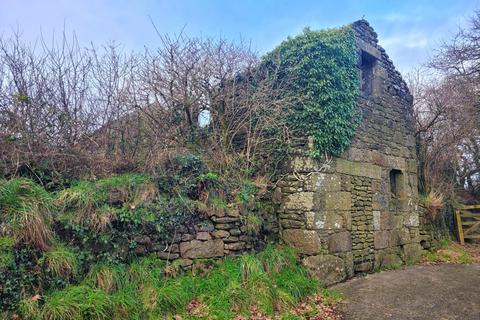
(459, 227)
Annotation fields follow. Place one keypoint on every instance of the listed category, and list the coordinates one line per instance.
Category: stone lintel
(361, 169)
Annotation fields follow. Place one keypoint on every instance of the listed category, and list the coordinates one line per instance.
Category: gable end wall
(340, 213)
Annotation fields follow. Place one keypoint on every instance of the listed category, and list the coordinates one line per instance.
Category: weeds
(6, 251)
(433, 203)
(448, 252)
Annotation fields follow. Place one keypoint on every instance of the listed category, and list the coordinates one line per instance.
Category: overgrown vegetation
(270, 283)
(322, 69)
(447, 251)
(93, 227)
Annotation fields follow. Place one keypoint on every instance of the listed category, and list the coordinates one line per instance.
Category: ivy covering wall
(321, 67)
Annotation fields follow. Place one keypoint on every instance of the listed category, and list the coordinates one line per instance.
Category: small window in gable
(366, 67)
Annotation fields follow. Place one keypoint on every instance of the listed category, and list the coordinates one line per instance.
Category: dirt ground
(439, 292)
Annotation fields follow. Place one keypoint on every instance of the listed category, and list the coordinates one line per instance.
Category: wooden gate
(468, 222)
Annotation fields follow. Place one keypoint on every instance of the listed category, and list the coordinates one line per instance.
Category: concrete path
(439, 292)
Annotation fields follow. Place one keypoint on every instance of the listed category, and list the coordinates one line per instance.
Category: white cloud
(412, 39)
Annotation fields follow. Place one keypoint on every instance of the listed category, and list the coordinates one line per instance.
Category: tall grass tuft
(61, 261)
(433, 203)
(25, 210)
(77, 302)
(108, 277)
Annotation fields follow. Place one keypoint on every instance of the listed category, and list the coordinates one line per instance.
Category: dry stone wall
(215, 234)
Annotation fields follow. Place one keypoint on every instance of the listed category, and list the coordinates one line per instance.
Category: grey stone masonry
(360, 207)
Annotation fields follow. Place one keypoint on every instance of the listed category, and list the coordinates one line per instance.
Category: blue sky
(409, 30)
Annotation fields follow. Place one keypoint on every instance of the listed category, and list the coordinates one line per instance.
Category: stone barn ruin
(344, 215)
(358, 211)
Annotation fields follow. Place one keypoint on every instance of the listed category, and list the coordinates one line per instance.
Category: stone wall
(213, 234)
(358, 212)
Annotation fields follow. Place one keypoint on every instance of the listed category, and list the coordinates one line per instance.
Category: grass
(77, 302)
(433, 202)
(253, 223)
(271, 282)
(61, 261)
(96, 204)
(25, 207)
(448, 252)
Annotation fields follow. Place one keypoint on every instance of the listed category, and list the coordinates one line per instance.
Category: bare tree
(67, 111)
(448, 113)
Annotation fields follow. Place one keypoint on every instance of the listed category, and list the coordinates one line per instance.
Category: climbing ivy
(320, 66)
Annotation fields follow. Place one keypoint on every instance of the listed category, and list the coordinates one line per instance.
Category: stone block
(412, 166)
(376, 220)
(233, 211)
(220, 234)
(305, 164)
(165, 255)
(301, 201)
(338, 201)
(334, 221)
(364, 266)
(202, 249)
(322, 182)
(225, 219)
(143, 240)
(411, 219)
(277, 195)
(304, 241)
(411, 252)
(204, 226)
(396, 162)
(386, 220)
(349, 264)
(315, 220)
(235, 246)
(361, 169)
(203, 236)
(235, 232)
(391, 261)
(398, 237)
(347, 215)
(380, 239)
(292, 224)
(397, 222)
(327, 268)
(340, 242)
